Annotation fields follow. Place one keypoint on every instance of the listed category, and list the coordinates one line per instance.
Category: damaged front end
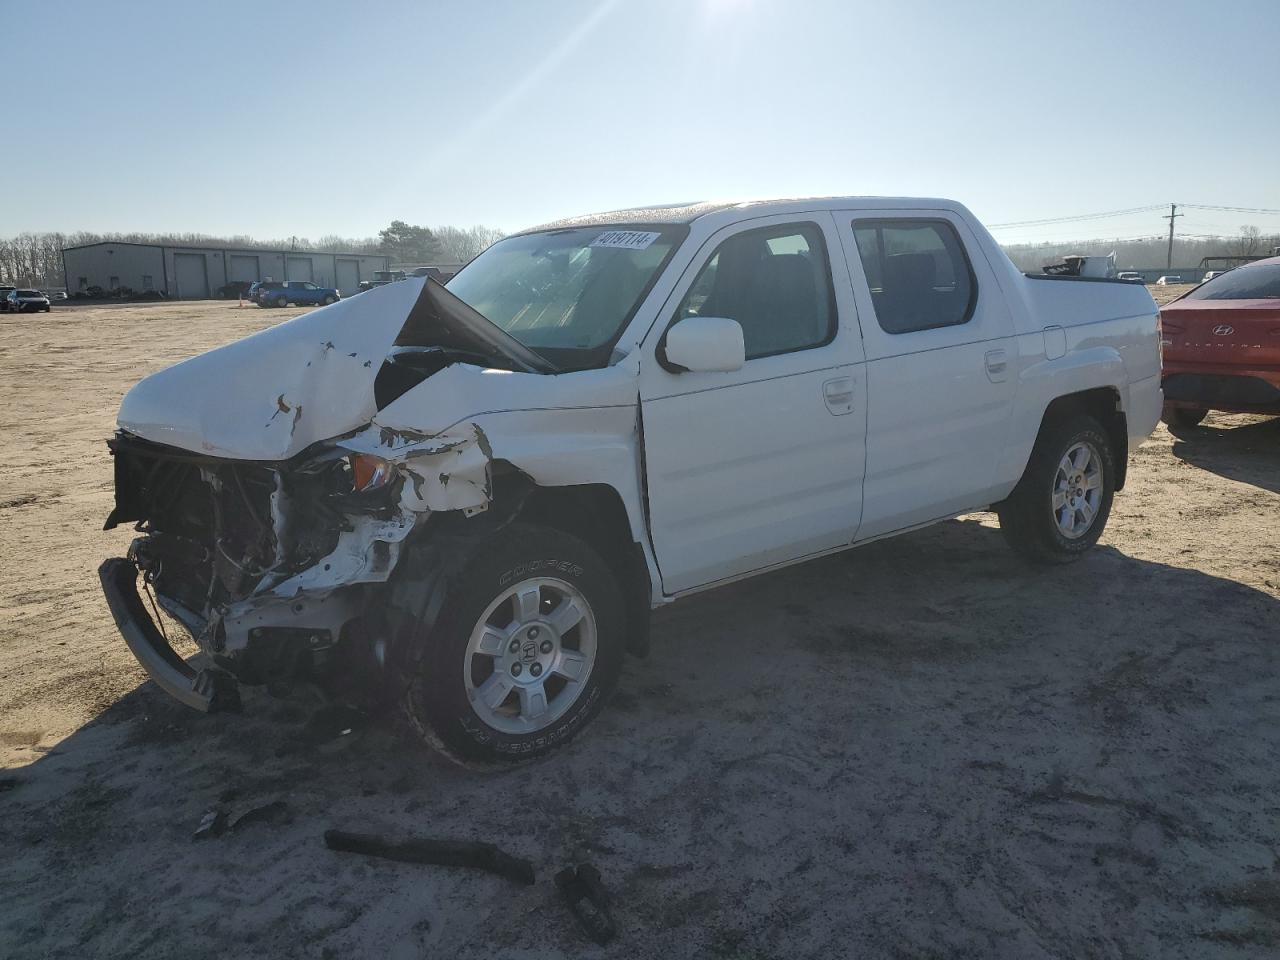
(271, 509)
(268, 566)
(279, 571)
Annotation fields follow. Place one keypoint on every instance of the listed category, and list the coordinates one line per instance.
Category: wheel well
(595, 514)
(1103, 404)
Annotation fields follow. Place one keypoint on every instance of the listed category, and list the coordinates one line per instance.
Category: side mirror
(705, 345)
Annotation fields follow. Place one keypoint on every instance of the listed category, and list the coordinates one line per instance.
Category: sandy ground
(917, 749)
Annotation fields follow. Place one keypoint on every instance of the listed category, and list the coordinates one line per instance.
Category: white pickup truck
(471, 497)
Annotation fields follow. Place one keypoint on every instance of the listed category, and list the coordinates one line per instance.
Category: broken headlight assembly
(368, 473)
(335, 472)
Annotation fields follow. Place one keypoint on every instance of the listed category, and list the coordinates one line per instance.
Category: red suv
(1222, 345)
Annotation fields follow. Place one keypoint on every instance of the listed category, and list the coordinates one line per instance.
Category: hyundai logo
(1223, 330)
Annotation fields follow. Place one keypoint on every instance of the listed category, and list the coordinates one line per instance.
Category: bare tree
(332, 243)
(459, 245)
(1248, 242)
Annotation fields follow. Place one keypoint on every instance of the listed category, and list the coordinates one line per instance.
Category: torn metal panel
(316, 597)
(451, 471)
(271, 395)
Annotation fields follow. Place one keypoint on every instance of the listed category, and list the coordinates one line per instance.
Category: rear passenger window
(776, 282)
(919, 274)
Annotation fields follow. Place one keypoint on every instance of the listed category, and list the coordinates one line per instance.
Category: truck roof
(689, 212)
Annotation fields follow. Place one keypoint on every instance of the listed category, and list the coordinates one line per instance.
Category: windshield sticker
(625, 239)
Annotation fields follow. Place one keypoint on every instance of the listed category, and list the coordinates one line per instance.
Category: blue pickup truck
(280, 293)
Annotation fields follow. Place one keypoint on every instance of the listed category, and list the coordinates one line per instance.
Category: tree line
(1149, 253)
(35, 259)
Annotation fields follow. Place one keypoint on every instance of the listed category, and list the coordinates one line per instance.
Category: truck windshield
(1261, 282)
(568, 294)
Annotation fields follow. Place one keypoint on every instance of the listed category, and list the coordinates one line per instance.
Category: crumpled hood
(272, 394)
(276, 392)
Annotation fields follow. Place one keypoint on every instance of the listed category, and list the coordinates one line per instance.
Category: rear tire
(526, 649)
(1184, 418)
(1060, 506)
(282, 301)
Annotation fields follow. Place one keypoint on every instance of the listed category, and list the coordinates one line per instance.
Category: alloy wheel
(530, 655)
(1077, 490)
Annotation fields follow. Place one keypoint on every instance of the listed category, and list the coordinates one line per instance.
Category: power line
(1044, 221)
(1083, 216)
(1206, 206)
(1211, 236)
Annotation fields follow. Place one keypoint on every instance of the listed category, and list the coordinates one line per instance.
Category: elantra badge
(1223, 330)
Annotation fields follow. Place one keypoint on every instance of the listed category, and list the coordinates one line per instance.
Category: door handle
(838, 395)
(997, 362)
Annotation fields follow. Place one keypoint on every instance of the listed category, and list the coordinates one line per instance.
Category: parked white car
(470, 497)
(1168, 279)
(1130, 275)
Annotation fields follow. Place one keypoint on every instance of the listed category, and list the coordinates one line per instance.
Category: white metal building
(194, 273)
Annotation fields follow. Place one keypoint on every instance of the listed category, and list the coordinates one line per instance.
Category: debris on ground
(8, 783)
(584, 892)
(277, 812)
(329, 723)
(444, 853)
(212, 824)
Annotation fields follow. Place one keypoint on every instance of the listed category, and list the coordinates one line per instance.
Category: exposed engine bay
(243, 552)
(266, 562)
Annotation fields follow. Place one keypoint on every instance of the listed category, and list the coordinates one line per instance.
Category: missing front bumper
(201, 689)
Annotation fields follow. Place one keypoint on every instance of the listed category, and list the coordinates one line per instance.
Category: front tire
(526, 649)
(1060, 506)
(282, 301)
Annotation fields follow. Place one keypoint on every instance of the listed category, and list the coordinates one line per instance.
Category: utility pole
(1172, 215)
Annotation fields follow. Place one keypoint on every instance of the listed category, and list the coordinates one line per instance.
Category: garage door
(348, 277)
(299, 268)
(189, 272)
(243, 267)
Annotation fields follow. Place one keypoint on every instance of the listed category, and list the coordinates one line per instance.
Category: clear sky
(278, 119)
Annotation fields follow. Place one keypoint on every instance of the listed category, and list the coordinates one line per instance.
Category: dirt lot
(1164, 294)
(917, 749)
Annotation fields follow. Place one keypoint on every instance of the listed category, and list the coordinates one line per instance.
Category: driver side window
(776, 282)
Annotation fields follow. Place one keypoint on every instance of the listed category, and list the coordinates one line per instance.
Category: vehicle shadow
(953, 753)
(1249, 453)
